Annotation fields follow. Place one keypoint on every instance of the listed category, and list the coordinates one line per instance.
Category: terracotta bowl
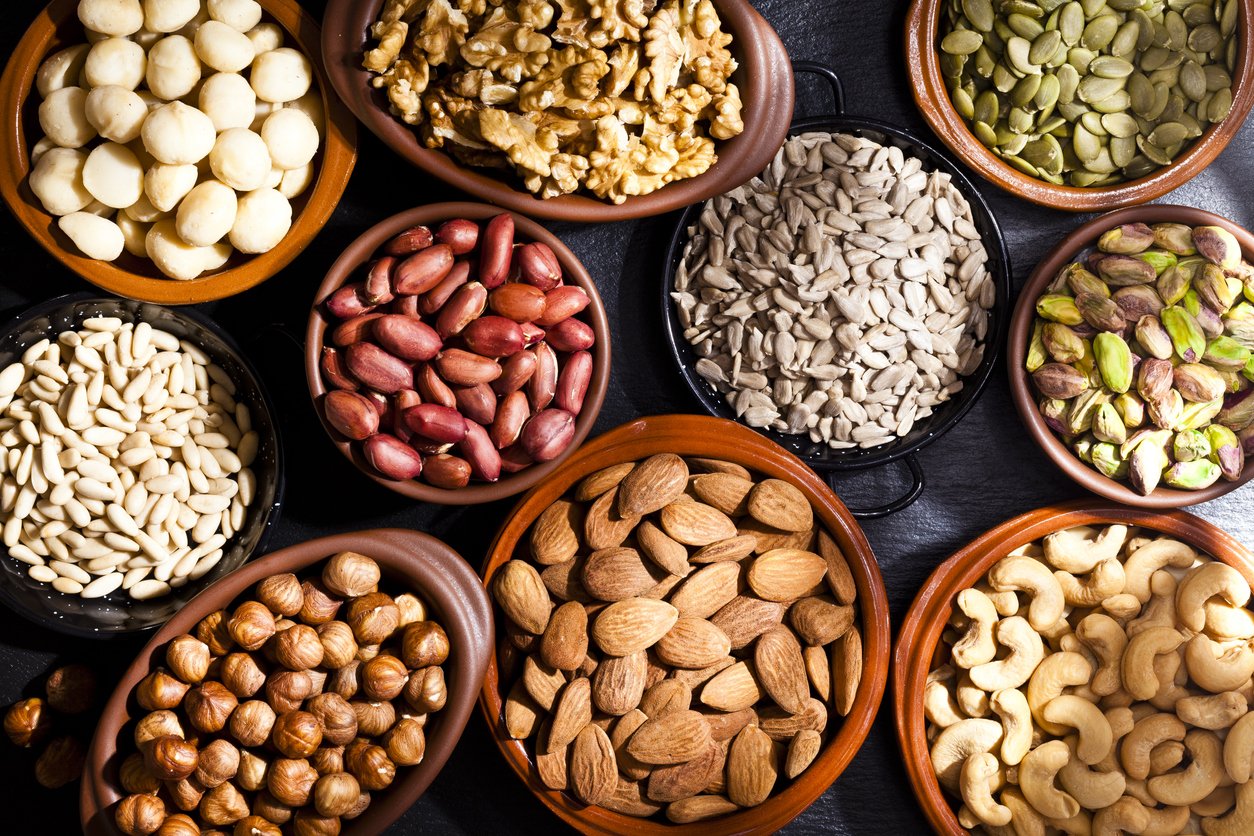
(411, 561)
(57, 26)
(1021, 324)
(348, 267)
(764, 78)
(920, 633)
(692, 435)
(932, 97)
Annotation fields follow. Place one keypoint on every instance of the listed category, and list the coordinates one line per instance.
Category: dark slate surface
(982, 473)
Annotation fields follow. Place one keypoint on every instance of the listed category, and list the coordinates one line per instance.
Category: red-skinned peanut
(433, 422)
(347, 302)
(538, 266)
(477, 447)
(378, 287)
(517, 301)
(477, 403)
(562, 303)
(571, 335)
(497, 250)
(353, 330)
(422, 270)
(333, 372)
(391, 457)
(542, 386)
(463, 368)
(547, 435)
(512, 412)
(493, 336)
(432, 388)
(407, 338)
(377, 369)
(353, 415)
(515, 372)
(433, 300)
(460, 234)
(464, 307)
(446, 471)
(572, 382)
(412, 240)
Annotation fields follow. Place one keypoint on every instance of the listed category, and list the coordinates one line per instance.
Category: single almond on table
(593, 770)
(707, 590)
(802, 750)
(635, 624)
(732, 689)
(652, 485)
(781, 669)
(618, 683)
(819, 620)
(603, 526)
(684, 780)
(606, 479)
(696, 524)
(616, 574)
(785, 574)
(572, 711)
(744, 618)
(522, 595)
(724, 491)
(659, 547)
(699, 808)
(554, 537)
(693, 643)
(565, 640)
(673, 738)
(666, 697)
(752, 767)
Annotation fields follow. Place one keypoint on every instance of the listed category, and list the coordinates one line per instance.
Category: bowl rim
(921, 629)
(338, 157)
(272, 511)
(343, 269)
(428, 567)
(1021, 322)
(768, 104)
(699, 435)
(930, 94)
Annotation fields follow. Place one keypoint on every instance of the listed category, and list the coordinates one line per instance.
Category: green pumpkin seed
(1123, 5)
(1117, 102)
(1094, 88)
(1162, 38)
(1092, 122)
(962, 103)
(1086, 145)
(984, 134)
(1024, 26)
(1122, 149)
(1140, 167)
(1123, 45)
(1072, 111)
(1153, 58)
(1217, 77)
(987, 108)
(1044, 46)
(1003, 32)
(1099, 32)
(1152, 151)
(1167, 75)
(1025, 91)
(1175, 107)
(1145, 30)
(1168, 134)
(1108, 66)
(1162, 95)
(1086, 179)
(1177, 31)
(1092, 7)
(1017, 50)
(1022, 7)
(1071, 23)
(1120, 125)
(1068, 81)
(1103, 164)
(985, 63)
(1220, 105)
(1053, 123)
(1205, 38)
(1192, 80)
(1022, 165)
(1140, 93)
(1020, 120)
(1003, 79)
(1079, 57)
(1199, 14)
(961, 42)
(980, 13)
(1228, 19)
(1014, 144)
(1047, 93)
(1192, 128)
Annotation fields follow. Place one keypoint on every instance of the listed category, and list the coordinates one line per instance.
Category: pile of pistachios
(1089, 92)
(1143, 355)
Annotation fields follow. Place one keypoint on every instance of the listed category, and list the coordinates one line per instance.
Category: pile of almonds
(673, 642)
(418, 368)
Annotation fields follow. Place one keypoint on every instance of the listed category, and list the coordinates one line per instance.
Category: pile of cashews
(179, 132)
(1098, 682)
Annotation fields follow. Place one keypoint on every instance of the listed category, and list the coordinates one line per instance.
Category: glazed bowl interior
(918, 640)
(932, 97)
(117, 613)
(348, 267)
(57, 26)
(764, 79)
(818, 454)
(692, 435)
(410, 562)
(1070, 249)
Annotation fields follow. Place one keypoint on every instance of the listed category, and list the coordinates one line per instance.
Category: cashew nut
(1240, 822)
(1226, 622)
(977, 646)
(959, 742)
(1161, 609)
(1171, 675)
(1055, 672)
(1166, 821)
(1137, 665)
(1079, 549)
(1148, 733)
(1165, 757)
(1217, 668)
(1217, 711)
(1106, 579)
(1105, 638)
(939, 705)
(1007, 603)
(1036, 779)
(1136, 789)
(1215, 804)
(1087, 719)
(1034, 578)
(1203, 583)
(1081, 824)
(1239, 750)
(1026, 650)
(980, 776)
(1092, 789)
(1026, 819)
(1127, 815)
(1016, 721)
(1145, 561)
(972, 700)
(1199, 779)
(1123, 606)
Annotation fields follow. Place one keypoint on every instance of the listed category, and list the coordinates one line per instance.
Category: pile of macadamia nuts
(179, 132)
(1098, 681)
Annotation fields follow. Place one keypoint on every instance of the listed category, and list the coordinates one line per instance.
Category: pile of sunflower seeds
(843, 293)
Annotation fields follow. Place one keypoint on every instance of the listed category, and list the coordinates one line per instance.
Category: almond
(732, 689)
(655, 672)
(744, 618)
(520, 639)
(658, 546)
(802, 750)
(772, 538)
(752, 767)
(819, 671)
(554, 537)
(781, 725)
(653, 484)
(593, 769)
(699, 808)
(616, 574)
(520, 592)
(846, 663)
(839, 578)
(565, 640)
(819, 620)
(724, 491)
(693, 643)
(521, 714)
(674, 738)
(563, 581)
(733, 548)
(629, 799)
(542, 682)
(781, 505)
(571, 712)
(621, 732)
(606, 479)
(696, 524)
(696, 678)
(684, 780)
(785, 574)
(551, 766)
(707, 590)
(702, 465)
(781, 669)
(603, 527)
(724, 725)
(666, 697)
(618, 683)
(635, 624)
(662, 590)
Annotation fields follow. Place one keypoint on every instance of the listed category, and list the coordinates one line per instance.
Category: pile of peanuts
(417, 367)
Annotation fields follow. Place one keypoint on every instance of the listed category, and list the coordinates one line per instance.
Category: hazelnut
(339, 647)
(351, 575)
(339, 720)
(139, 815)
(374, 718)
(179, 824)
(290, 781)
(251, 722)
(353, 753)
(424, 644)
(375, 769)
(297, 734)
(298, 648)
(335, 794)
(224, 804)
(363, 801)
(60, 763)
(251, 625)
(213, 631)
(367, 652)
(373, 617)
(345, 681)
(286, 690)
(255, 825)
(426, 690)
(308, 823)
(188, 658)
(281, 594)
(186, 793)
(317, 681)
(209, 706)
(219, 761)
(157, 724)
(412, 609)
(406, 742)
(241, 674)
(268, 806)
(253, 772)
(171, 758)
(27, 722)
(384, 677)
(328, 759)
(159, 690)
(71, 689)
(135, 776)
(319, 606)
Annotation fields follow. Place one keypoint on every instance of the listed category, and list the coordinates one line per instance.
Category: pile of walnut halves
(620, 97)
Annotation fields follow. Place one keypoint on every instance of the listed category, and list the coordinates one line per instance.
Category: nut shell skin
(71, 689)
(27, 722)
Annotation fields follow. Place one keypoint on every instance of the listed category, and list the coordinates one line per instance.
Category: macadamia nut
(58, 181)
(116, 113)
(265, 37)
(63, 117)
(291, 137)
(240, 159)
(172, 255)
(311, 105)
(165, 185)
(281, 75)
(40, 148)
(173, 68)
(207, 214)
(118, 18)
(133, 234)
(240, 15)
(296, 180)
(169, 15)
(217, 255)
(63, 69)
(113, 175)
(95, 237)
(223, 48)
(264, 218)
(228, 100)
(143, 211)
(178, 134)
(115, 61)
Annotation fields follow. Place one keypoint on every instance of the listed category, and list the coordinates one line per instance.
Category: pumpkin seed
(1094, 88)
(1168, 134)
(1085, 144)
(1140, 93)
(987, 107)
(1025, 91)
(1199, 14)
(1122, 149)
(1092, 122)
(1152, 151)
(984, 134)
(1217, 77)
(1044, 46)
(1022, 164)
(1047, 93)
(1017, 51)
(1024, 26)
(1120, 124)
(1228, 19)
(961, 42)
(1071, 23)
(1108, 66)
(1220, 105)
(1117, 102)
(1177, 31)
(1145, 30)
(962, 102)
(1123, 45)
(1099, 32)
(980, 13)
(1068, 81)
(1192, 80)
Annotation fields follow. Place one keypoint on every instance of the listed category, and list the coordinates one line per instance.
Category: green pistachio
(1173, 284)
(1175, 238)
(1168, 411)
(1131, 409)
(1199, 415)
(1083, 448)
(1087, 366)
(1057, 307)
(1037, 355)
(1056, 380)
(1128, 239)
(1153, 378)
(1054, 411)
(1227, 353)
(1114, 361)
(1194, 475)
(1109, 426)
(1189, 445)
(1160, 260)
(1146, 465)
(1248, 371)
(1063, 344)
(1124, 270)
(1082, 281)
(1234, 381)
(1226, 451)
(1084, 411)
(1106, 459)
(1186, 335)
(1138, 301)
(1153, 337)
(1198, 382)
(1213, 289)
(1238, 412)
(1218, 246)
(1101, 312)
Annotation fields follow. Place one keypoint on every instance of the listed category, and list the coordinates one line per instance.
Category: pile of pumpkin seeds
(1089, 92)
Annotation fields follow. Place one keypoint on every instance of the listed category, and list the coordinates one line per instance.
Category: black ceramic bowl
(118, 613)
(819, 455)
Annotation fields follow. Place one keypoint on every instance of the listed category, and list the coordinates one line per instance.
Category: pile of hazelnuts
(69, 692)
(285, 714)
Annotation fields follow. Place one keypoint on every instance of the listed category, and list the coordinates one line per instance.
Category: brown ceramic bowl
(765, 81)
(57, 26)
(692, 435)
(411, 561)
(1021, 323)
(920, 633)
(932, 97)
(348, 267)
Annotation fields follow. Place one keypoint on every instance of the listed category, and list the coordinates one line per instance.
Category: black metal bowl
(117, 613)
(819, 455)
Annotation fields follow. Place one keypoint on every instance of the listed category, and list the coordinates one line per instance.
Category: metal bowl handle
(905, 501)
(833, 80)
